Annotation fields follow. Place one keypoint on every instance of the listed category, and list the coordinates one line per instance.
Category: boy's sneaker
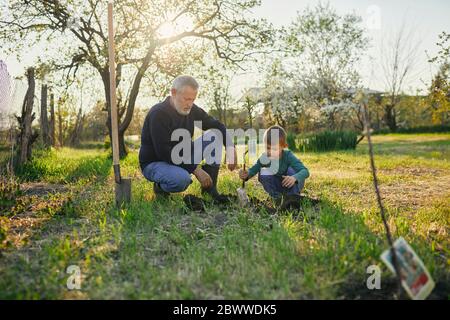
(159, 192)
(289, 202)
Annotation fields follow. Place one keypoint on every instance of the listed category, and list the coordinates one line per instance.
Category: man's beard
(180, 110)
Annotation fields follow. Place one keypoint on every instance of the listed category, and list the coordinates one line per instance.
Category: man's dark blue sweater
(160, 122)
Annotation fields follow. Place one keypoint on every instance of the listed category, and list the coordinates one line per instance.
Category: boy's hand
(288, 181)
(243, 174)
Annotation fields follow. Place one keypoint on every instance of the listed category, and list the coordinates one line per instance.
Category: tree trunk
(389, 117)
(74, 139)
(130, 104)
(26, 136)
(123, 150)
(52, 120)
(105, 79)
(60, 125)
(378, 124)
(45, 128)
(225, 116)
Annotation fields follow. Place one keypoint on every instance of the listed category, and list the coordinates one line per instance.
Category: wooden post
(122, 186)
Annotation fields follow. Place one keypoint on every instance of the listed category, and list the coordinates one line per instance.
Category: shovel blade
(123, 192)
(242, 196)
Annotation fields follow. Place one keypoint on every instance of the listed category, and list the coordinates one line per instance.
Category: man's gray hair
(182, 81)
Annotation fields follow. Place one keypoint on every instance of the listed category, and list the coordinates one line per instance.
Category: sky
(427, 18)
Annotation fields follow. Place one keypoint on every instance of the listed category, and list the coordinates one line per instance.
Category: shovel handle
(243, 158)
(112, 96)
(243, 181)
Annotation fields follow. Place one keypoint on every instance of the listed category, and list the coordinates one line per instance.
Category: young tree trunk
(360, 139)
(26, 135)
(45, 127)
(52, 120)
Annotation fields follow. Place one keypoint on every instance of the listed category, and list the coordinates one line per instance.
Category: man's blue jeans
(272, 184)
(173, 178)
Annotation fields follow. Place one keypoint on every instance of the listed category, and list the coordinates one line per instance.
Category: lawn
(156, 249)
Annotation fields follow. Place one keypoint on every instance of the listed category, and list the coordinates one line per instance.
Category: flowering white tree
(324, 51)
(280, 95)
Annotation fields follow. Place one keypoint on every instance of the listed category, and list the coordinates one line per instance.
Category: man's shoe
(216, 196)
(159, 192)
(213, 172)
(290, 202)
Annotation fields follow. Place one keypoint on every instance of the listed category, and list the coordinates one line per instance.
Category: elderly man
(156, 158)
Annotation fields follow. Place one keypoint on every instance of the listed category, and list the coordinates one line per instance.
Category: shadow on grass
(55, 217)
(349, 247)
(155, 249)
(168, 252)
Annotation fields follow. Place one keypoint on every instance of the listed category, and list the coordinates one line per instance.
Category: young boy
(279, 170)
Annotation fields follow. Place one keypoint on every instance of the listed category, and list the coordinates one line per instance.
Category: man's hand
(243, 174)
(288, 181)
(232, 166)
(203, 177)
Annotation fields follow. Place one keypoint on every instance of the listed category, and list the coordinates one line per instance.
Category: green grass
(66, 165)
(155, 249)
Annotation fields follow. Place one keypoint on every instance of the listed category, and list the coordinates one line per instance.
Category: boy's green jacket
(288, 159)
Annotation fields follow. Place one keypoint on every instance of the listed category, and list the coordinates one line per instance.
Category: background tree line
(310, 68)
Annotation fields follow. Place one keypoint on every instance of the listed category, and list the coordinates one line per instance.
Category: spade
(242, 194)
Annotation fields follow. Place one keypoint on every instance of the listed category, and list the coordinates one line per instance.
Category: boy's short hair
(279, 135)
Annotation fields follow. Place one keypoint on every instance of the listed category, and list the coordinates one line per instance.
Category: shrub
(107, 143)
(291, 141)
(328, 141)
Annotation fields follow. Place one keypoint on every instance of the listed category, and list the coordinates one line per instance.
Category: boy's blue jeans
(173, 178)
(272, 184)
